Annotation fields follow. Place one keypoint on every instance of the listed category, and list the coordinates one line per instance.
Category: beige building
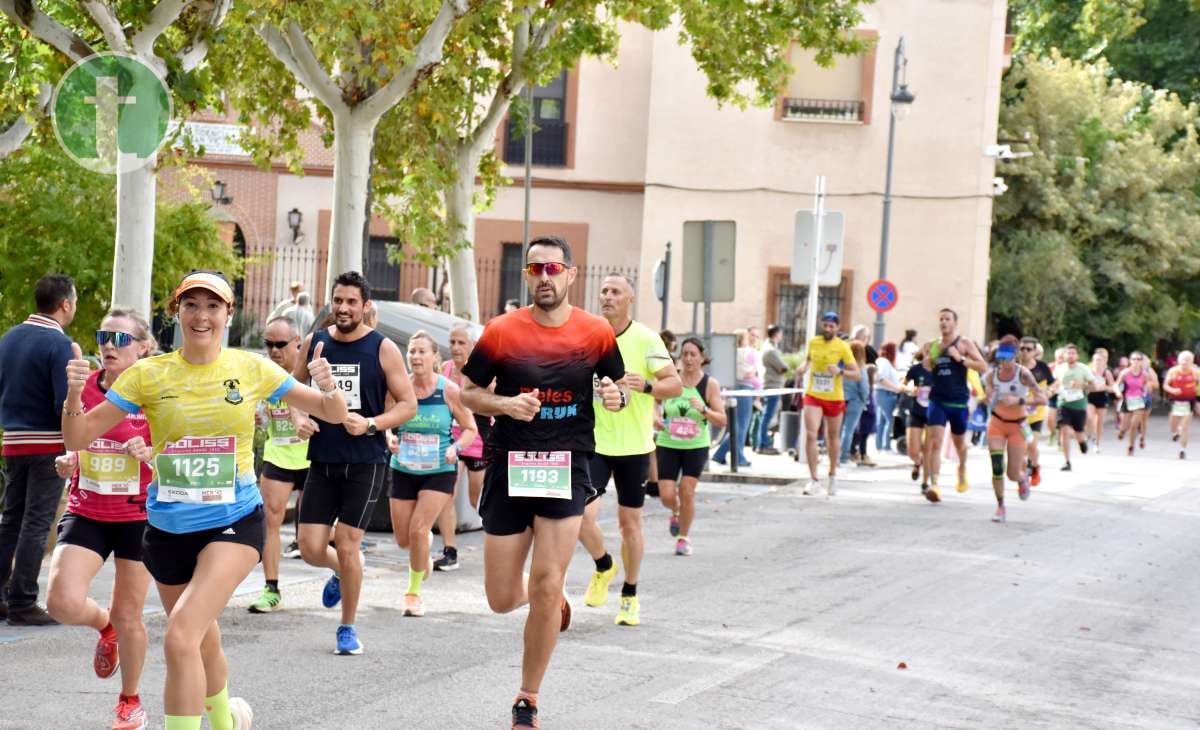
(626, 153)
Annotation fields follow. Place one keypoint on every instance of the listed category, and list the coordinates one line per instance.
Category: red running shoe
(106, 660)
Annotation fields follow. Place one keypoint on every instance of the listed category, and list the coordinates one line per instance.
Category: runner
(1074, 381)
(624, 446)
(424, 462)
(205, 530)
(106, 514)
(470, 458)
(918, 382)
(1180, 386)
(537, 479)
(1060, 357)
(1098, 399)
(1010, 389)
(827, 361)
(285, 458)
(1137, 384)
(349, 461)
(1035, 415)
(683, 440)
(948, 399)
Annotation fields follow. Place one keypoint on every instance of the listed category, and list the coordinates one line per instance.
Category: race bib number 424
(539, 474)
(198, 470)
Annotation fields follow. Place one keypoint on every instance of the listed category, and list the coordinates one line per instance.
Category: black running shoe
(524, 714)
(1083, 446)
(1066, 467)
(448, 561)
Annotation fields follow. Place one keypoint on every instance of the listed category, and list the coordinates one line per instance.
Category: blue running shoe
(332, 595)
(347, 641)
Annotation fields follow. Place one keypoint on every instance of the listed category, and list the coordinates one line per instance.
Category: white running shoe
(812, 488)
(243, 716)
(832, 488)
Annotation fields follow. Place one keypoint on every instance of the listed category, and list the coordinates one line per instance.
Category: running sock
(531, 696)
(273, 585)
(414, 581)
(129, 698)
(604, 563)
(108, 632)
(629, 589)
(183, 722)
(217, 708)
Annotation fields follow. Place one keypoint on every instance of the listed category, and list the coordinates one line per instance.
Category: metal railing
(824, 110)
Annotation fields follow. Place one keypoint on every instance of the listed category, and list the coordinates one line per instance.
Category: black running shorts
(1076, 418)
(408, 486)
(671, 462)
(629, 473)
(295, 477)
(171, 557)
(122, 539)
(506, 515)
(345, 493)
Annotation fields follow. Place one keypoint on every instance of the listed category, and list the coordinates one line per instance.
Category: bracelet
(72, 414)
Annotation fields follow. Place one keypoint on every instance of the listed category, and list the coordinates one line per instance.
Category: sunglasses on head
(553, 268)
(119, 339)
(276, 345)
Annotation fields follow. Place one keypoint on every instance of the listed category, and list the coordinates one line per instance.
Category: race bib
(419, 451)
(923, 395)
(281, 427)
(683, 429)
(198, 470)
(1135, 404)
(539, 474)
(1181, 408)
(1071, 395)
(346, 377)
(822, 383)
(105, 468)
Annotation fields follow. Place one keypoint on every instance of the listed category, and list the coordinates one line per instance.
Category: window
(383, 275)
(550, 127)
(791, 309)
(511, 278)
(839, 93)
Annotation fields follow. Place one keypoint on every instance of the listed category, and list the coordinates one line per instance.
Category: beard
(549, 299)
(347, 327)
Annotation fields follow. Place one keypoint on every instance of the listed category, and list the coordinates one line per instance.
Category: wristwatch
(371, 429)
(648, 387)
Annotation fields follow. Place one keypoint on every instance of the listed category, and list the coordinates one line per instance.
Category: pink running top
(475, 450)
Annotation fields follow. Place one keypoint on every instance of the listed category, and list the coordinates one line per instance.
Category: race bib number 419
(198, 470)
(539, 474)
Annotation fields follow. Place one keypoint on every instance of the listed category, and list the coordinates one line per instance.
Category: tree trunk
(351, 176)
(460, 219)
(133, 258)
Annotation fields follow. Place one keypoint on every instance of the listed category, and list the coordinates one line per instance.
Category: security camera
(998, 151)
(999, 187)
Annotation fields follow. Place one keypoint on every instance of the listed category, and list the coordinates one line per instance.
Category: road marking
(715, 678)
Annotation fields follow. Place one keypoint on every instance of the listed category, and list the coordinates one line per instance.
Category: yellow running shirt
(210, 403)
(630, 431)
(821, 354)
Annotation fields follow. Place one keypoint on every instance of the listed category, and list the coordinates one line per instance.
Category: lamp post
(901, 99)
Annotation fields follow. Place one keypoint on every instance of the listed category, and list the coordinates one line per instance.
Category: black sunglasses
(553, 268)
(119, 339)
(273, 345)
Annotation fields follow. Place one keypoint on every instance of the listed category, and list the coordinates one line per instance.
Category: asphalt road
(794, 612)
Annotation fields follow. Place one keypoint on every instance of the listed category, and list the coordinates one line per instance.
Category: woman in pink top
(106, 514)
(470, 458)
(1138, 383)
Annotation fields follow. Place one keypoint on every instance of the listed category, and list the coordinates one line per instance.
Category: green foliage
(1151, 41)
(59, 217)
(1095, 240)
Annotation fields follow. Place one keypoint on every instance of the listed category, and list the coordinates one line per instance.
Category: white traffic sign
(830, 268)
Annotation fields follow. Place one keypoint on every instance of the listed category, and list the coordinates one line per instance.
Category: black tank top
(357, 372)
(949, 377)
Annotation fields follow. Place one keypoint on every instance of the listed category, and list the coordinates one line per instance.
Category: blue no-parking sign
(882, 296)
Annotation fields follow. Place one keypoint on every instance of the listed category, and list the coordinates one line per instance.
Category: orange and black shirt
(559, 362)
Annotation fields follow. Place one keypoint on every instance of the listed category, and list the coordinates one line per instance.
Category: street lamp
(294, 217)
(218, 194)
(901, 99)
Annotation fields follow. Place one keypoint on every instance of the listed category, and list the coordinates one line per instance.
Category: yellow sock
(217, 707)
(414, 581)
(180, 722)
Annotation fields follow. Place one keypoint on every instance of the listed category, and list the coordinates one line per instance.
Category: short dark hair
(910, 335)
(1070, 346)
(52, 290)
(554, 242)
(773, 330)
(1029, 340)
(353, 278)
(951, 311)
